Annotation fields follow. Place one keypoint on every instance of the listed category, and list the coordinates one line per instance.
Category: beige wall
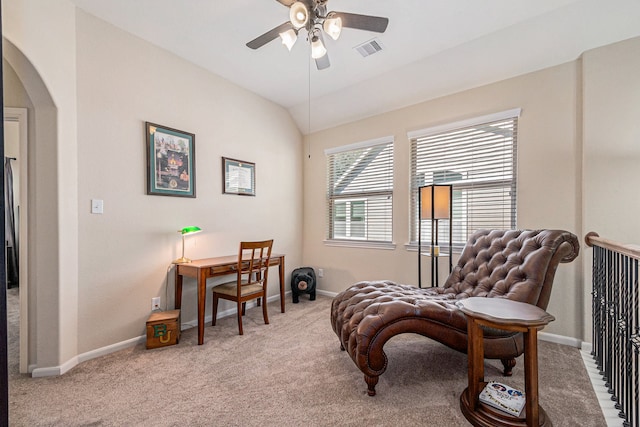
(612, 141)
(611, 91)
(96, 291)
(125, 253)
(548, 184)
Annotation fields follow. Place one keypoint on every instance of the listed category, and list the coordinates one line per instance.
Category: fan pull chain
(309, 109)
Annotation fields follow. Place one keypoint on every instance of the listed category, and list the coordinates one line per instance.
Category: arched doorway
(16, 155)
(39, 289)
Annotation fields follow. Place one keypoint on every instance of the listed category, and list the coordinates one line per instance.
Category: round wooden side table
(507, 315)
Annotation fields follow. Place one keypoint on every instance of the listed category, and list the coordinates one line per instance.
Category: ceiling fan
(312, 16)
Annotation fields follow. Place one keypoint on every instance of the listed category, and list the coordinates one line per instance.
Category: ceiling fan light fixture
(298, 15)
(332, 25)
(317, 48)
(289, 38)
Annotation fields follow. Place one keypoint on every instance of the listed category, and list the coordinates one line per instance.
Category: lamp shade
(190, 230)
(298, 15)
(317, 48)
(289, 38)
(435, 202)
(333, 25)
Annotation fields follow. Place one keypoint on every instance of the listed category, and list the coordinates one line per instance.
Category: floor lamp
(434, 203)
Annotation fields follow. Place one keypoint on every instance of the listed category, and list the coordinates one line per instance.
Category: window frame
(417, 181)
(331, 199)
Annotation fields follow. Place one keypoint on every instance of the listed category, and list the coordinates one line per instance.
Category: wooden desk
(202, 269)
(510, 316)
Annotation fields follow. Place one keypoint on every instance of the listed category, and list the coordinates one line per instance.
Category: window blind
(360, 191)
(479, 159)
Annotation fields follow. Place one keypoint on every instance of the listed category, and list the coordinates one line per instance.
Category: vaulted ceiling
(431, 48)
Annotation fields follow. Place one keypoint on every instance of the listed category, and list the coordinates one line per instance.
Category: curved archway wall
(48, 75)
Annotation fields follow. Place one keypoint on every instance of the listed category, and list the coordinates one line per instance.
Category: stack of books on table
(503, 397)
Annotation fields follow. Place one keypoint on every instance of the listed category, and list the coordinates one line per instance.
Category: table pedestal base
(486, 416)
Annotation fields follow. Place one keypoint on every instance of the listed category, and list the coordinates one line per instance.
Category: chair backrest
(253, 263)
(514, 264)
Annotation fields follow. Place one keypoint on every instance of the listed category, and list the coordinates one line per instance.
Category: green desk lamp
(186, 230)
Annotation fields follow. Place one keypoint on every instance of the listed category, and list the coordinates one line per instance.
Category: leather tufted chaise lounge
(515, 264)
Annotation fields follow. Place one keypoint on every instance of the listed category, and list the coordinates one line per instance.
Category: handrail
(592, 238)
(615, 310)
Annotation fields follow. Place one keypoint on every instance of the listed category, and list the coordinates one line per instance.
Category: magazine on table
(503, 397)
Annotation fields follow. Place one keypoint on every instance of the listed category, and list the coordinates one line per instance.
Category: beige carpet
(288, 373)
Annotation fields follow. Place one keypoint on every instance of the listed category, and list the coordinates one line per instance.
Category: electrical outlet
(155, 303)
(320, 272)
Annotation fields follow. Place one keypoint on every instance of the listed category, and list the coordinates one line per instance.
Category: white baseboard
(74, 361)
(560, 339)
(604, 398)
(103, 351)
(53, 371)
(111, 348)
(48, 372)
(326, 293)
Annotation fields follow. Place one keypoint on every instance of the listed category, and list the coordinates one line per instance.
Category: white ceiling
(431, 47)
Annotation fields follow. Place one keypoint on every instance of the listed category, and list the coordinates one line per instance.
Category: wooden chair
(251, 280)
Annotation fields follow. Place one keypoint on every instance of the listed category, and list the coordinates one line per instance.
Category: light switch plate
(97, 206)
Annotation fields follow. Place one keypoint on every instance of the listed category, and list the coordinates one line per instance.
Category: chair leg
(214, 311)
(240, 317)
(264, 313)
(244, 308)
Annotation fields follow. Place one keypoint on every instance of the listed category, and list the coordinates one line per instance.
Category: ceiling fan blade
(287, 3)
(269, 35)
(376, 24)
(323, 63)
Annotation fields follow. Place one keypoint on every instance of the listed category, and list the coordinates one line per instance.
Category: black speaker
(303, 281)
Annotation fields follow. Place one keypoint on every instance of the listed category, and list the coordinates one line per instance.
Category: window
(360, 192)
(479, 158)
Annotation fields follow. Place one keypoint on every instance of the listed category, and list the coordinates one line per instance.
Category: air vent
(369, 48)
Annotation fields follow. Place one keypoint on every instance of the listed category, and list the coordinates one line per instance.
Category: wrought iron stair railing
(616, 329)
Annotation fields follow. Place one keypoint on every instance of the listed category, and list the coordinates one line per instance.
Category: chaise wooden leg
(508, 364)
(371, 384)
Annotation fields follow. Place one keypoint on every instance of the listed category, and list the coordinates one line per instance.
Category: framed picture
(171, 167)
(238, 177)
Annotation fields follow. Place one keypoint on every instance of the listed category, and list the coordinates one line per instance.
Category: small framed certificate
(238, 177)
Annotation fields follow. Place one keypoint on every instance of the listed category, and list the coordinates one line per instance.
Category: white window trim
(432, 130)
(362, 244)
(366, 244)
(363, 144)
(508, 114)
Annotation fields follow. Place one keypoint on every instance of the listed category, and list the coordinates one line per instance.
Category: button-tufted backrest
(515, 264)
